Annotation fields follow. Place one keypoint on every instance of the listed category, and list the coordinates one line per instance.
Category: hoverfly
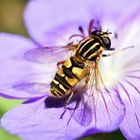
(84, 57)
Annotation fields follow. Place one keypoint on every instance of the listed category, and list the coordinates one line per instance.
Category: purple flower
(41, 116)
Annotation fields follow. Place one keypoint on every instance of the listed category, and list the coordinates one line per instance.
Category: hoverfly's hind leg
(78, 91)
(60, 63)
(66, 104)
(68, 100)
(79, 99)
(74, 109)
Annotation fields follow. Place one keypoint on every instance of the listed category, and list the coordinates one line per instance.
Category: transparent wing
(49, 54)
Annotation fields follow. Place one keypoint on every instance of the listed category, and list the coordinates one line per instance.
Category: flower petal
(128, 35)
(35, 121)
(129, 90)
(128, 63)
(46, 21)
(20, 78)
(103, 110)
(108, 110)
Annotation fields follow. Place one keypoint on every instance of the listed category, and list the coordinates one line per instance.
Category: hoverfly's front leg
(60, 63)
(117, 51)
(106, 55)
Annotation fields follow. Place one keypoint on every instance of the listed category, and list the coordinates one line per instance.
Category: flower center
(110, 73)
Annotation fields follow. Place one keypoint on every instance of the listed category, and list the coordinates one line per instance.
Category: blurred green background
(11, 21)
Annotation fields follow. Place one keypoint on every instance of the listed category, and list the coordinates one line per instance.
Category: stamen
(81, 29)
(90, 26)
(77, 35)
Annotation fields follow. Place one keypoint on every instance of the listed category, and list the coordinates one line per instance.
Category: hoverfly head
(104, 37)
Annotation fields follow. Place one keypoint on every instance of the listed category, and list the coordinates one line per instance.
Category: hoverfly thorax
(103, 38)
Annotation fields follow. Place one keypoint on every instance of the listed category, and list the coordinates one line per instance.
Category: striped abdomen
(67, 77)
(90, 49)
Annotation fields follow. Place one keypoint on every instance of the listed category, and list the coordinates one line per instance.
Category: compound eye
(107, 42)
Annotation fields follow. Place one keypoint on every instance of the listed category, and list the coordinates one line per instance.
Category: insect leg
(66, 104)
(84, 86)
(68, 100)
(66, 108)
(78, 101)
(71, 96)
(77, 91)
(60, 63)
(106, 55)
(111, 49)
(118, 51)
(77, 104)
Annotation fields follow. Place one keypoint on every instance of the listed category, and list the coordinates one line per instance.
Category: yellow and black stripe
(67, 77)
